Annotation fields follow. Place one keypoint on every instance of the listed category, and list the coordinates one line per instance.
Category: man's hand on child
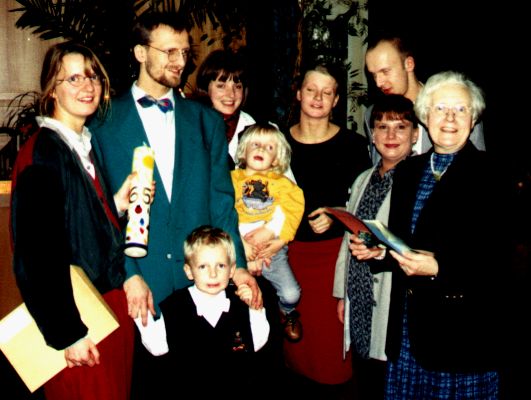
(245, 294)
(243, 277)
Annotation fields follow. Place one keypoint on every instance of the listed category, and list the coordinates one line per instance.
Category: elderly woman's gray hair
(435, 82)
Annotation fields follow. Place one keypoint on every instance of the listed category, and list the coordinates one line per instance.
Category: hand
(419, 262)
(259, 235)
(139, 298)
(243, 277)
(361, 252)
(319, 220)
(82, 352)
(255, 267)
(250, 250)
(270, 248)
(341, 310)
(121, 197)
(245, 294)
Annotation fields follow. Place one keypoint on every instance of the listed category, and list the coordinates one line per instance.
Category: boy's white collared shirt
(211, 308)
(208, 306)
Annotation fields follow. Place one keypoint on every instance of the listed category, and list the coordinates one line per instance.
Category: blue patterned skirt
(407, 380)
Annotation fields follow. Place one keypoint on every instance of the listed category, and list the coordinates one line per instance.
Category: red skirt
(109, 380)
(319, 355)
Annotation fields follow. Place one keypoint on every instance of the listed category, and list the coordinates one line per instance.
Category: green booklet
(369, 229)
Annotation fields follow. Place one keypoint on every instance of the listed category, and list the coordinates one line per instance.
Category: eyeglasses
(173, 54)
(77, 80)
(442, 110)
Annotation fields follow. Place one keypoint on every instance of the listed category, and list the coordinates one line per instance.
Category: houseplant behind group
(19, 124)
(280, 36)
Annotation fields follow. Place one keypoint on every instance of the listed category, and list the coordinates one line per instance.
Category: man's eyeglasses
(442, 110)
(173, 54)
(77, 80)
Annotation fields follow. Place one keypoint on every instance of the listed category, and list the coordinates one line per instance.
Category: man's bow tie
(164, 104)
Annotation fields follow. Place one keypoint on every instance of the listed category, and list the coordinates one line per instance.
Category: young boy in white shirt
(208, 329)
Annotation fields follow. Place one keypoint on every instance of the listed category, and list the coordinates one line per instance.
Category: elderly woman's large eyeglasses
(173, 54)
(442, 110)
(77, 80)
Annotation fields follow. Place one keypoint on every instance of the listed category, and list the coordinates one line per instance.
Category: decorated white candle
(136, 234)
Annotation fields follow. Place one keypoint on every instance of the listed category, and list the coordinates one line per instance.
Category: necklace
(436, 174)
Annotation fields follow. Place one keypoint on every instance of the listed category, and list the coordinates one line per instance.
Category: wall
(21, 53)
(9, 294)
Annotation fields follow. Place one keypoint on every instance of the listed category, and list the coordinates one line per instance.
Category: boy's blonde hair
(207, 235)
(283, 156)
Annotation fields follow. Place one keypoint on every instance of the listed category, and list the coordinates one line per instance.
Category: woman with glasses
(63, 214)
(443, 335)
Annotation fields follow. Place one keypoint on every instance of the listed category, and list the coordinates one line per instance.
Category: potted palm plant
(280, 34)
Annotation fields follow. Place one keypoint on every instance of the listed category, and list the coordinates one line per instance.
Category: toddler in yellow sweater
(270, 208)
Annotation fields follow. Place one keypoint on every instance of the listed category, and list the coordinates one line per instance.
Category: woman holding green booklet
(363, 293)
(446, 318)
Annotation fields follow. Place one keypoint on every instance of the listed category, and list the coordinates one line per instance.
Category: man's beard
(163, 80)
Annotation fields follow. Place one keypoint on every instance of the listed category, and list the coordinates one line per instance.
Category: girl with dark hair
(222, 82)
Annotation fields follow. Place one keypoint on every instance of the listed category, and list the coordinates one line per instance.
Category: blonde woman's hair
(283, 156)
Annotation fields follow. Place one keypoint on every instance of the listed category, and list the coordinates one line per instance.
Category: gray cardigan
(382, 280)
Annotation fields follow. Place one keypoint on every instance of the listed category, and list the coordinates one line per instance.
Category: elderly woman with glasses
(63, 213)
(444, 321)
